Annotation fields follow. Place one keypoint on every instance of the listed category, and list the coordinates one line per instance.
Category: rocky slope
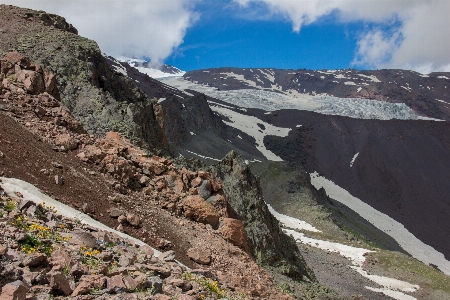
(101, 99)
(46, 114)
(122, 186)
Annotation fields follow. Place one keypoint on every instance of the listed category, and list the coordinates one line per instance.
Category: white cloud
(134, 28)
(421, 41)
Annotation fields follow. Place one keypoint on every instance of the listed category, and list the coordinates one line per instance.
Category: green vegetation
(208, 285)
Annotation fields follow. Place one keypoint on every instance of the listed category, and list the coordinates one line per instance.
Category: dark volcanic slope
(402, 170)
(428, 95)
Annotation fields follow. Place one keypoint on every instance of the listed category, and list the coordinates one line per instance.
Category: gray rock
(155, 283)
(204, 190)
(16, 290)
(167, 256)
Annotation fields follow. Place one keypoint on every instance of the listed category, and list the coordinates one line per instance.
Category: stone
(234, 231)
(200, 256)
(59, 283)
(149, 252)
(133, 220)
(34, 260)
(67, 141)
(196, 182)
(60, 258)
(155, 283)
(20, 236)
(197, 209)
(122, 219)
(115, 213)
(59, 180)
(185, 297)
(115, 284)
(87, 209)
(144, 180)
(40, 111)
(82, 238)
(124, 261)
(130, 283)
(164, 272)
(204, 190)
(88, 284)
(167, 256)
(3, 250)
(79, 270)
(14, 255)
(25, 204)
(16, 290)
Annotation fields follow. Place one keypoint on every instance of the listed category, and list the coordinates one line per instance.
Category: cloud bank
(418, 39)
(125, 27)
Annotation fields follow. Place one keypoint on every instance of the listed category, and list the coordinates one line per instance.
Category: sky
(285, 34)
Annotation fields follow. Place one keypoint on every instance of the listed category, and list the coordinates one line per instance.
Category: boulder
(16, 290)
(200, 256)
(197, 209)
(204, 190)
(67, 141)
(234, 231)
(59, 283)
(116, 285)
(34, 260)
(133, 220)
(88, 284)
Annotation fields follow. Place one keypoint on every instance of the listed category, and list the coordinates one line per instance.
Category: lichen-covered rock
(267, 242)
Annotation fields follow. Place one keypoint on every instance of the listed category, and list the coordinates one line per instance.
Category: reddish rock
(60, 258)
(88, 284)
(167, 256)
(196, 182)
(133, 219)
(59, 283)
(185, 297)
(115, 213)
(149, 252)
(234, 231)
(34, 260)
(79, 270)
(92, 153)
(67, 141)
(3, 250)
(200, 256)
(16, 290)
(115, 283)
(196, 208)
(82, 239)
(130, 283)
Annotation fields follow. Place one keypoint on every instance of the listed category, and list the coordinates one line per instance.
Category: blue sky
(223, 38)
(311, 34)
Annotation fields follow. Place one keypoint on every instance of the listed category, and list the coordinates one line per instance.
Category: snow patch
(32, 193)
(353, 159)
(373, 78)
(396, 230)
(202, 156)
(349, 83)
(443, 77)
(248, 124)
(293, 223)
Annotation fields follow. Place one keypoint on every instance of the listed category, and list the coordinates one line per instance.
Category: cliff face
(101, 99)
(186, 116)
(269, 245)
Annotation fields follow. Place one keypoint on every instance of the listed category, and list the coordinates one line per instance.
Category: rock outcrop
(99, 98)
(267, 242)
